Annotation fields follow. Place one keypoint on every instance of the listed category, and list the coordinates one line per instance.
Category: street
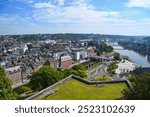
(100, 71)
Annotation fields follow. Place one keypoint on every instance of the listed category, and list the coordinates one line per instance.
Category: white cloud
(43, 5)
(79, 11)
(60, 2)
(139, 3)
(78, 16)
(6, 19)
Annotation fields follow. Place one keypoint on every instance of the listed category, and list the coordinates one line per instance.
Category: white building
(22, 49)
(52, 42)
(3, 63)
(12, 69)
(65, 58)
(15, 75)
(57, 55)
(48, 41)
(83, 54)
(79, 53)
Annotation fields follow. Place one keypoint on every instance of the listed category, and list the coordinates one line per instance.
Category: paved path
(101, 70)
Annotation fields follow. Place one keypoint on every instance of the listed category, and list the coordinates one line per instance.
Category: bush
(22, 89)
(78, 70)
(112, 67)
(103, 78)
(6, 91)
(140, 88)
(45, 77)
(117, 56)
(132, 79)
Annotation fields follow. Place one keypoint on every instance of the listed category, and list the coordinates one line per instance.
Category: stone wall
(52, 89)
(48, 90)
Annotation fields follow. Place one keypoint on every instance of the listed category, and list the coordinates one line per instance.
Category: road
(101, 70)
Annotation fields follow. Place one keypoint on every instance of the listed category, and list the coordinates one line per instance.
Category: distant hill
(71, 36)
(147, 39)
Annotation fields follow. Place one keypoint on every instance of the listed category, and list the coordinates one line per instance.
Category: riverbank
(125, 66)
(133, 56)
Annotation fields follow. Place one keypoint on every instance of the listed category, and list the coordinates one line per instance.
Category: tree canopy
(78, 70)
(6, 92)
(141, 88)
(103, 47)
(117, 56)
(45, 77)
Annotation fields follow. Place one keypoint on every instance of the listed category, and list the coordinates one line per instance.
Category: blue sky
(125, 17)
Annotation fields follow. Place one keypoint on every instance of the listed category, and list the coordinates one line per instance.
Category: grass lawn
(75, 90)
(102, 78)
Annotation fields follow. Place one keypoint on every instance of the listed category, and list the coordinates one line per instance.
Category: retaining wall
(48, 90)
(51, 89)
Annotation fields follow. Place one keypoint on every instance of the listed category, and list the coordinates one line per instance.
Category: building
(83, 54)
(48, 41)
(22, 49)
(52, 42)
(52, 62)
(91, 51)
(26, 72)
(65, 61)
(79, 53)
(15, 75)
(57, 55)
(2, 63)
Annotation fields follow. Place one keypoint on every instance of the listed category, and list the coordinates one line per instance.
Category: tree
(45, 77)
(6, 91)
(79, 70)
(29, 46)
(98, 52)
(22, 89)
(112, 67)
(79, 67)
(103, 47)
(141, 88)
(117, 56)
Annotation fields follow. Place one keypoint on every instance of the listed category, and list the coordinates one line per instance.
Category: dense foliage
(6, 92)
(141, 88)
(117, 56)
(22, 89)
(66, 36)
(45, 77)
(112, 67)
(104, 48)
(140, 47)
(78, 70)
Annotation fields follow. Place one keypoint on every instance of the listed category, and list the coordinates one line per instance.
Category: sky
(121, 17)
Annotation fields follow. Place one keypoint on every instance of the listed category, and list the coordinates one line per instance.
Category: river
(137, 58)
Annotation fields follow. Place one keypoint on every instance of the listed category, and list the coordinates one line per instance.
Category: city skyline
(123, 17)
